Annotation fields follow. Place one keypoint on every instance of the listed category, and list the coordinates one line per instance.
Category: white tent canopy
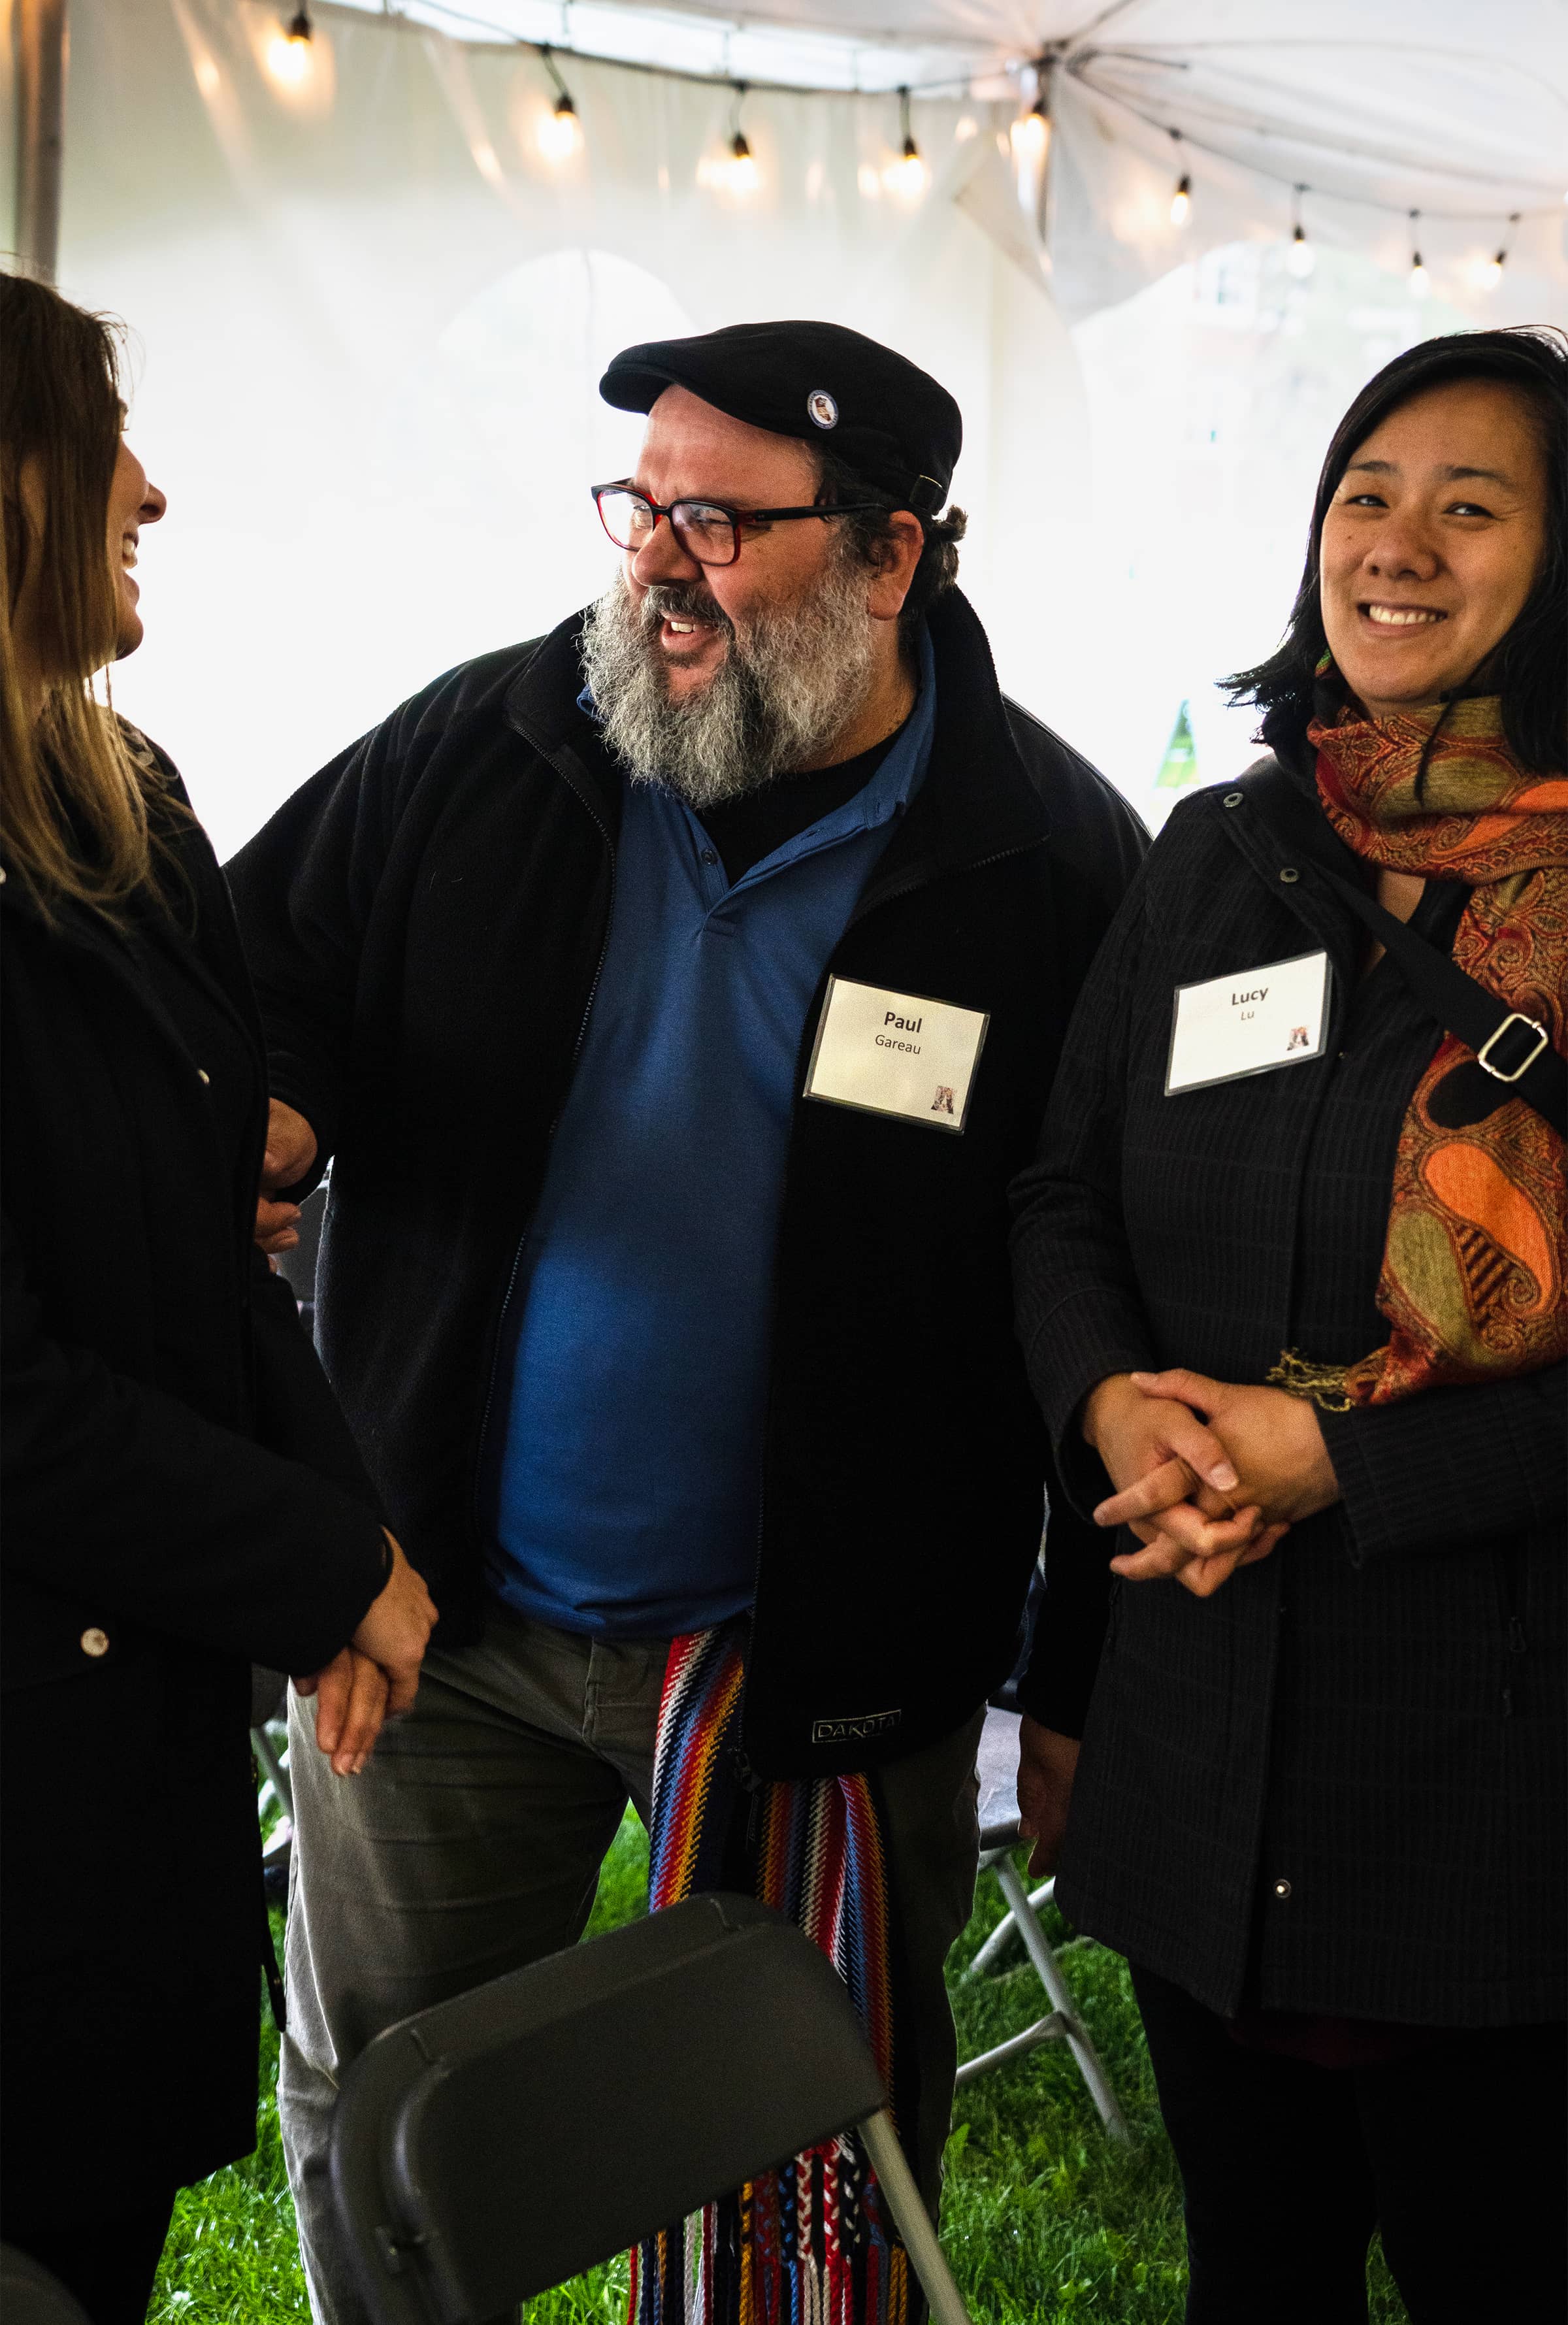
(372, 308)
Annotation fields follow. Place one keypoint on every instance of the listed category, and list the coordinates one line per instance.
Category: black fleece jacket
(425, 920)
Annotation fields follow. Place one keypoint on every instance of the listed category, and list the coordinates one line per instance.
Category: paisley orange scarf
(1472, 1283)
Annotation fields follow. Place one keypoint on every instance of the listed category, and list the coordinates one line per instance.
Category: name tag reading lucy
(896, 1053)
(1249, 1023)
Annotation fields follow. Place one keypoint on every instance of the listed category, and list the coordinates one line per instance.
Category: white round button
(204, 1074)
(95, 1642)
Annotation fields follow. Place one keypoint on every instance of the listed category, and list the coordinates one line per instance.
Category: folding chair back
(31, 2295)
(502, 2141)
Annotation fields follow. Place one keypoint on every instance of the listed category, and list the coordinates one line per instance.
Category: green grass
(1047, 2220)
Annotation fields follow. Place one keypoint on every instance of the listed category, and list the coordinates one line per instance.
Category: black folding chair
(498, 2144)
(31, 2295)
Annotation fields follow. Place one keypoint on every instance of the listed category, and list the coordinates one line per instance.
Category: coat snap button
(1234, 799)
(709, 856)
(95, 1642)
(1282, 1890)
(1290, 873)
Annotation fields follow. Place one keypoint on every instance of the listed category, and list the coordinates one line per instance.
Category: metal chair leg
(1006, 1930)
(272, 1768)
(1057, 1986)
(912, 2220)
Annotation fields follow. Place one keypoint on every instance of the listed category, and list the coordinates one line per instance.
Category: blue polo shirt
(624, 1461)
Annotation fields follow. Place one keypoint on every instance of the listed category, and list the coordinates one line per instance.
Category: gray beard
(782, 694)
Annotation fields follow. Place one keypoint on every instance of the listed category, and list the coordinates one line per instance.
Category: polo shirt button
(1290, 873)
(95, 1642)
(710, 856)
(204, 1075)
(1234, 799)
(1282, 1890)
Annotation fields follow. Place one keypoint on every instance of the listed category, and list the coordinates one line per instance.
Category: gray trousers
(471, 1845)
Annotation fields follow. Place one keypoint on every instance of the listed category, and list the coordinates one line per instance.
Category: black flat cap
(889, 422)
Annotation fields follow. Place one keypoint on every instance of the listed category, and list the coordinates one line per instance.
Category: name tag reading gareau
(1229, 1027)
(896, 1053)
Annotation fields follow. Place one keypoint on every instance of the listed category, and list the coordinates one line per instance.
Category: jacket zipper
(750, 1782)
(499, 1334)
(1507, 1568)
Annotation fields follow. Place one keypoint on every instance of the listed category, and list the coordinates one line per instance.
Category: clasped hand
(1210, 1475)
(377, 1674)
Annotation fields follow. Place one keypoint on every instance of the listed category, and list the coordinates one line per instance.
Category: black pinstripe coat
(1337, 1785)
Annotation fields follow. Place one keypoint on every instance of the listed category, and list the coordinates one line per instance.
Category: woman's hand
(375, 1676)
(290, 1151)
(1179, 1491)
(350, 1703)
(397, 1628)
(1273, 1442)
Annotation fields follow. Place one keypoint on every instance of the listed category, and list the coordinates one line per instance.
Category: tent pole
(40, 62)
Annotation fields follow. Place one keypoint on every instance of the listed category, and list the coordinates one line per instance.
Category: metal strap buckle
(1502, 1073)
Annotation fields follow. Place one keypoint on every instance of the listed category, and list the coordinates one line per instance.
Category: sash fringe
(808, 2243)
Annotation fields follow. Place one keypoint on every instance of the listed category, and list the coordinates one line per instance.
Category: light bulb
(1490, 271)
(906, 176)
(1419, 284)
(560, 133)
(1300, 258)
(1181, 201)
(742, 165)
(288, 59)
(1031, 135)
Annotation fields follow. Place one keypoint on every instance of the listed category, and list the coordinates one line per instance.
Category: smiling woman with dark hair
(1290, 1273)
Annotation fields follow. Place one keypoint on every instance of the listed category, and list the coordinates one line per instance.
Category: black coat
(161, 1401)
(1337, 1784)
(425, 920)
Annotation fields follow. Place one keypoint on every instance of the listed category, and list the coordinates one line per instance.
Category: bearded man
(675, 997)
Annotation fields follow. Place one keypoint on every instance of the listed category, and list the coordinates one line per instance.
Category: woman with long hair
(1290, 1273)
(181, 1496)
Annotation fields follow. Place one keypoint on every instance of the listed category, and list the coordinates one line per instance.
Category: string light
(1300, 258)
(1419, 284)
(907, 175)
(742, 165)
(560, 133)
(290, 61)
(1492, 272)
(1181, 201)
(1031, 133)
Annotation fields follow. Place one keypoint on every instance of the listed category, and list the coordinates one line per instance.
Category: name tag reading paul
(1231, 1026)
(896, 1053)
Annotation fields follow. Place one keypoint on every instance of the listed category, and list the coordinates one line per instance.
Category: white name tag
(896, 1053)
(1249, 1023)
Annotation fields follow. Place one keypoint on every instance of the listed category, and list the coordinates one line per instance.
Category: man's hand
(290, 1151)
(1178, 1489)
(351, 1701)
(396, 1631)
(1046, 1764)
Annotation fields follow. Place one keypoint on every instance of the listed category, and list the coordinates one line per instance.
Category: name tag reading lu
(896, 1053)
(1249, 1023)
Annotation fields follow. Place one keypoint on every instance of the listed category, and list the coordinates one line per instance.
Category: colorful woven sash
(1472, 1279)
(808, 2245)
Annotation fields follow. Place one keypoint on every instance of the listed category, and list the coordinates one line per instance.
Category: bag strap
(1514, 1049)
